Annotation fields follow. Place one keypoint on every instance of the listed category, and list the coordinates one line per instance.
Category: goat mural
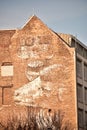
(41, 73)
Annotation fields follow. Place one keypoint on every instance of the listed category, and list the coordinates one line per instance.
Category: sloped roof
(5, 35)
(67, 38)
(31, 19)
(36, 23)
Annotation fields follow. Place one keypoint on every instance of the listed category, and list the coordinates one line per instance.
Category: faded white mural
(39, 72)
(33, 47)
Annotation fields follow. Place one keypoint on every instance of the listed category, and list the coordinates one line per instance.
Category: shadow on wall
(29, 118)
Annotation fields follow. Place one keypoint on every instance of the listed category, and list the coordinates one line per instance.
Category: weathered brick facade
(39, 57)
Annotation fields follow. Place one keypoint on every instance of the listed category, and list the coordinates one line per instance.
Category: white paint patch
(29, 91)
(30, 86)
(36, 88)
(44, 120)
(47, 86)
(33, 54)
(31, 75)
(49, 57)
(49, 68)
(35, 64)
(22, 52)
(7, 70)
(61, 92)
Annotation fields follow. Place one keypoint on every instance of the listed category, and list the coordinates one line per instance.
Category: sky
(62, 16)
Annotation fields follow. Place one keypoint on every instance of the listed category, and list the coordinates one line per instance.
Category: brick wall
(36, 42)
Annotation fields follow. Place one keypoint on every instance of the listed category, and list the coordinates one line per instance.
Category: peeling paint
(61, 92)
(49, 68)
(22, 52)
(35, 64)
(31, 89)
(36, 87)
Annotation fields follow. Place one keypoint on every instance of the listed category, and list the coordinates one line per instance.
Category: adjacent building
(81, 78)
(41, 68)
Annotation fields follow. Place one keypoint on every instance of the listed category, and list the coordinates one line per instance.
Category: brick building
(39, 67)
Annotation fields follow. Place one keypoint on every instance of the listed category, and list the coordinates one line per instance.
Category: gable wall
(33, 43)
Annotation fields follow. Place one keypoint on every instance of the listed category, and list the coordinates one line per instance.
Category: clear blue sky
(64, 16)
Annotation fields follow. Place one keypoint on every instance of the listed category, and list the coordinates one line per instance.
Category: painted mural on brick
(39, 72)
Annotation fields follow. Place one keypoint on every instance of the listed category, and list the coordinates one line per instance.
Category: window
(85, 72)
(6, 94)
(80, 117)
(85, 95)
(86, 119)
(79, 49)
(85, 53)
(79, 68)
(73, 42)
(7, 69)
(79, 93)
